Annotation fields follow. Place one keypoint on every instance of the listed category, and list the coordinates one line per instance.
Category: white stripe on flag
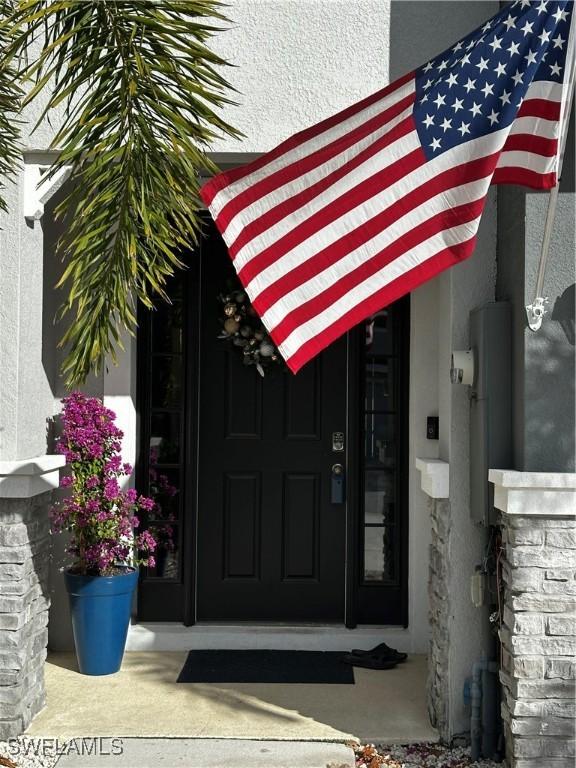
(529, 160)
(535, 126)
(544, 89)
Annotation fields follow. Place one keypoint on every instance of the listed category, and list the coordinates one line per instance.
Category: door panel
(271, 546)
(300, 526)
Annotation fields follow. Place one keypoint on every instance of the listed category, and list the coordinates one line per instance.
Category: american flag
(345, 217)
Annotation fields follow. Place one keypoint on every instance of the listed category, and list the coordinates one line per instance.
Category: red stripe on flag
(547, 110)
(303, 166)
(526, 142)
(344, 204)
(318, 262)
(524, 177)
(211, 189)
(404, 284)
(438, 223)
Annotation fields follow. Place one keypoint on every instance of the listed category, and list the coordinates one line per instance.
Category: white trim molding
(168, 636)
(40, 186)
(538, 494)
(435, 477)
(24, 478)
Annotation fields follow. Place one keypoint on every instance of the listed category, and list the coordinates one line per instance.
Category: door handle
(337, 491)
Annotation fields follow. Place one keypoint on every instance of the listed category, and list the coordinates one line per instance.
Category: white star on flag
(527, 28)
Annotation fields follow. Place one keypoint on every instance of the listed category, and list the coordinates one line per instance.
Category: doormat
(322, 667)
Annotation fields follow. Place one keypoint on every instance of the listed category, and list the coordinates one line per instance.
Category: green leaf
(140, 92)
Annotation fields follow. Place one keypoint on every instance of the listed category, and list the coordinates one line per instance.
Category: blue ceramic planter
(100, 608)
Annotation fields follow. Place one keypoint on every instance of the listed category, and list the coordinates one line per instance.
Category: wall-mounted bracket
(535, 312)
(39, 187)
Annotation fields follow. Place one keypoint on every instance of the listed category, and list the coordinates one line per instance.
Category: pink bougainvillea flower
(100, 516)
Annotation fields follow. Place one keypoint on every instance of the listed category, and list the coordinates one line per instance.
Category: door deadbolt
(337, 442)
(337, 492)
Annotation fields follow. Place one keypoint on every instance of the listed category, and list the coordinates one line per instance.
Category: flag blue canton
(477, 86)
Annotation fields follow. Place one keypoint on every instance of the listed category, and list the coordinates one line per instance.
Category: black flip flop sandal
(369, 661)
(382, 650)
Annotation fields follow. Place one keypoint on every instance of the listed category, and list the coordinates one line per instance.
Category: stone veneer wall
(24, 553)
(438, 688)
(539, 641)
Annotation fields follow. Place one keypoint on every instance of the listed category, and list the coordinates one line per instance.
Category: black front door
(240, 467)
(271, 537)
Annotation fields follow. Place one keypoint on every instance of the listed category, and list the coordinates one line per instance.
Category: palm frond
(141, 93)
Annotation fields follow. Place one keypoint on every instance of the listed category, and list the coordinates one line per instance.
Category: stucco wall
(26, 402)
(299, 61)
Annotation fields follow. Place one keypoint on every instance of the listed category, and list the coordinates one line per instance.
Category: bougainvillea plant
(100, 516)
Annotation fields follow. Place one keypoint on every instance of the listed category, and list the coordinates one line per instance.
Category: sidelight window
(162, 429)
(383, 364)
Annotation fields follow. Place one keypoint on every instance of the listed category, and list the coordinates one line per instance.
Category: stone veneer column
(435, 483)
(25, 494)
(539, 632)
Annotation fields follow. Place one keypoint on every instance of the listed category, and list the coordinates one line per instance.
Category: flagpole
(537, 309)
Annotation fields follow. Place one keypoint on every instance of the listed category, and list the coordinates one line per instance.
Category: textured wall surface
(26, 399)
(539, 641)
(24, 549)
(299, 61)
(423, 402)
(438, 688)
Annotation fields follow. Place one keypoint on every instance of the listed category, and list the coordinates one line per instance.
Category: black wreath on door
(242, 329)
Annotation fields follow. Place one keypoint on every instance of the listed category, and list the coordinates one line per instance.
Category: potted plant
(101, 518)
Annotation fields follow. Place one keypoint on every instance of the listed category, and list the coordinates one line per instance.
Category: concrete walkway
(144, 700)
(215, 753)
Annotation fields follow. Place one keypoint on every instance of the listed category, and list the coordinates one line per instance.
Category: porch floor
(144, 700)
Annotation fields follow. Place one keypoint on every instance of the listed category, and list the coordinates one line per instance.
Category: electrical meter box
(490, 403)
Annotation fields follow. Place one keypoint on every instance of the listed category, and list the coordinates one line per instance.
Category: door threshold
(172, 636)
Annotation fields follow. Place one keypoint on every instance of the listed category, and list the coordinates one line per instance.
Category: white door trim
(172, 636)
